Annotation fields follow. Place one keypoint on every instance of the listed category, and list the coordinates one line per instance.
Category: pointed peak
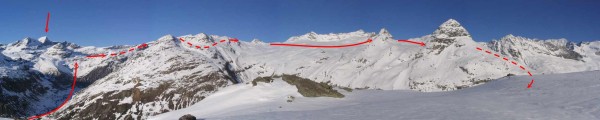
(383, 31)
(166, 38)
(451, 22)
(359, 31)
(27, 39)
(201, 35)
(509, 37)
(44, 39)
(256, 41)
(450, 28)
(29, 42)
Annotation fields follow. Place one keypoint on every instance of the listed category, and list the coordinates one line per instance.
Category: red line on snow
(66, 100)
(513, 62)
(488, 52)
(321, 46)
(233, 40)
(139, 47)
(413, 42)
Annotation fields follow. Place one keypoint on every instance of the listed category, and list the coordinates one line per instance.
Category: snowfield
(569, 96)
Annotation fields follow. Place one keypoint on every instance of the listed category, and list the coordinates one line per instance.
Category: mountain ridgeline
(171, 74)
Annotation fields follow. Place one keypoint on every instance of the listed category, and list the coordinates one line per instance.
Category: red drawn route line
(413, 42)
(513, 62)
(66, 100)
(102, 55)
(206, 47)
(321, 46)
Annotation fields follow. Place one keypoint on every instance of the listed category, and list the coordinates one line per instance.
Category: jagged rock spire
(450, 28)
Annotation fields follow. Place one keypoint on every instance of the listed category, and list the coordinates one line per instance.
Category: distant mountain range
(171, 74)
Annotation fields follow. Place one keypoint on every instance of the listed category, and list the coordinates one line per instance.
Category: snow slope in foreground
(572, 96)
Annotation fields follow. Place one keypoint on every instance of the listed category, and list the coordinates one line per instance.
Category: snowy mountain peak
(384, 32)
(450, 28)
(331, 37)
(202, 36)
(520, 48)
(383, 35)
(257, 41)
(44, 40)
(511, 37)
(167, 39)
(26, 42)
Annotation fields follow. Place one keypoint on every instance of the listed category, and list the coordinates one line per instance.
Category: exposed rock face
(516, 45)
(447, 35)
(450, 28)
(172, 78)
(187, 117)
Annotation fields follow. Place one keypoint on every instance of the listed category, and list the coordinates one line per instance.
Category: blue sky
(104, 23)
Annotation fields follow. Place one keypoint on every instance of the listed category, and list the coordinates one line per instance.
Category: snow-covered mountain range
(171, 74)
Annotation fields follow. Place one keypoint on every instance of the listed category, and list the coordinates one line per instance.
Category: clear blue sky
(104, 23)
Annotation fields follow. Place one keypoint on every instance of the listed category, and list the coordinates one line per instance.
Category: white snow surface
(570, 96)
(242, 98)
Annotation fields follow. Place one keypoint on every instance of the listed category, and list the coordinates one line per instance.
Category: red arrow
(47, 21)
(413, 42)
(530, 83)
(322, 46)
